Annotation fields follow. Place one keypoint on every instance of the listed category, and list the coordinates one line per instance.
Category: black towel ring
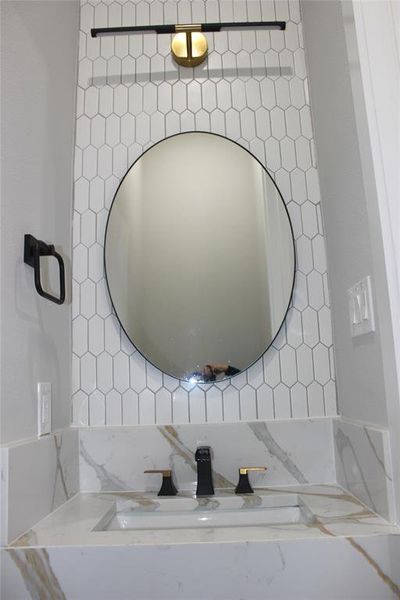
(33, 250)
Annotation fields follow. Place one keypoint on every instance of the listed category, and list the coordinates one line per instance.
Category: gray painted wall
(354, 246)
(39, 43)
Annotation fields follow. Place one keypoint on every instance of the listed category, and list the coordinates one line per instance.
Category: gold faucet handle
(243, 486)
(245, 470)
(167, 486)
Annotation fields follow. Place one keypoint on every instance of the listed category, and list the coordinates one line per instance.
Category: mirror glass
(199, 257)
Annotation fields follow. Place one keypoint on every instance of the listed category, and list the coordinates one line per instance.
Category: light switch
(361, 308)
(44, 408)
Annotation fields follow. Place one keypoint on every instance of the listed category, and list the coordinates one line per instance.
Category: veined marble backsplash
(115, 458)
(37, 477)
(364, 466)
(252, 89)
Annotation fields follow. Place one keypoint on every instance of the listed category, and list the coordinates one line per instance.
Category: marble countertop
(335, 513)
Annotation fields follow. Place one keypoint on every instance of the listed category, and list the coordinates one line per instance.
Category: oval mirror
(199, 257)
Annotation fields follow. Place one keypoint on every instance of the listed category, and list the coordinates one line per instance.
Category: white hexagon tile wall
(252, 89)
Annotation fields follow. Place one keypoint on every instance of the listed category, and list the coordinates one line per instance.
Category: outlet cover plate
(44, 408)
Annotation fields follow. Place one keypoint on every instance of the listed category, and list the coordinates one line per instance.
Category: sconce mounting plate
(189, 47)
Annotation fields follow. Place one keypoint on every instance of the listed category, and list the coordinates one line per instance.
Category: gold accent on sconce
(189, 46)
(188, 28)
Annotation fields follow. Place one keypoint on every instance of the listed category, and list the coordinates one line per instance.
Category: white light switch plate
(44, 408)
(361, 309)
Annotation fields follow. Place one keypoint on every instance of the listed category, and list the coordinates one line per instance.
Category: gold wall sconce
(189, 46)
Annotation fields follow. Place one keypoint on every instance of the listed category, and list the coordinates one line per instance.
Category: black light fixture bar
(203, 27)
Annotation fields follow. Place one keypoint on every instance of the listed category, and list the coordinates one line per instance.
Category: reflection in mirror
(199, 257)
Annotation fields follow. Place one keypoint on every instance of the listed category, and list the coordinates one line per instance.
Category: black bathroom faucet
(204, 473)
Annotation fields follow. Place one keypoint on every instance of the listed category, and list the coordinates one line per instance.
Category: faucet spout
(205, 485)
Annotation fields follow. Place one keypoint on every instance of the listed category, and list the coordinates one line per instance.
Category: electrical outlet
(361, 308)
(44, 408)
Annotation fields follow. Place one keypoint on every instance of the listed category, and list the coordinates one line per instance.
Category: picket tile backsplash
(253, 89)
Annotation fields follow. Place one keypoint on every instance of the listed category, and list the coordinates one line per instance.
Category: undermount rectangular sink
(216, 511)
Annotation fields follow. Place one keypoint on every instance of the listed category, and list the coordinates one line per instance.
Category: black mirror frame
(294, 255)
